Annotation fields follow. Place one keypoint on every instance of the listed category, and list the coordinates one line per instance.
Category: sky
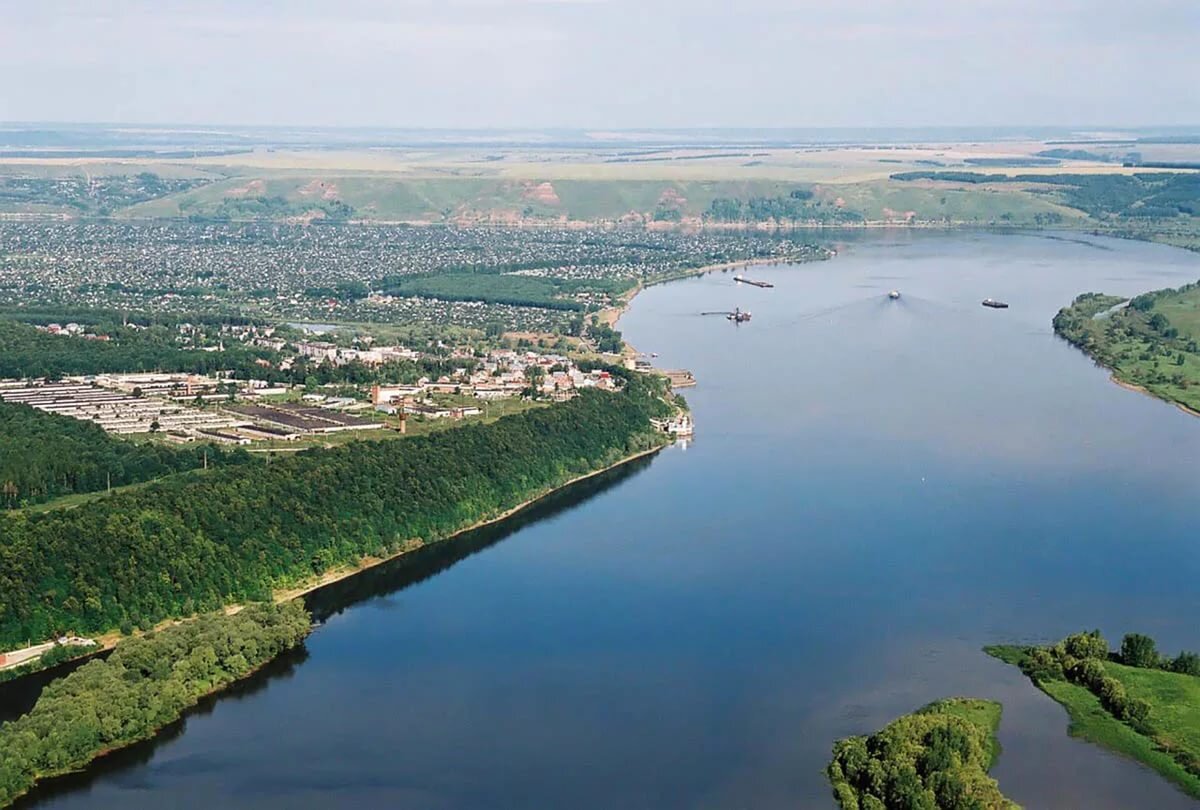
(620, 64)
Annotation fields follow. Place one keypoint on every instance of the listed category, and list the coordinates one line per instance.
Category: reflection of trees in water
(125, 759)
(426, 562)
(18, 697)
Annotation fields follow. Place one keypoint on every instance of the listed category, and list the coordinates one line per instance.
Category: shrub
(1086, 645)
(1089, 673)
(1043, 666)
(1112, 694)
(1137, 711)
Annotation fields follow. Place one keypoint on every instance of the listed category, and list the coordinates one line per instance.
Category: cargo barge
(752, 282)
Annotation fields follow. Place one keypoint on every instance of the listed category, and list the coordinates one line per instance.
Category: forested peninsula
(191, 544)
(1151, 342)
(146, 684)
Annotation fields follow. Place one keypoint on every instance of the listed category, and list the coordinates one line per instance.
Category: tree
(203, 541)
(1138, 650)
(1186, 662)
(1086, 645)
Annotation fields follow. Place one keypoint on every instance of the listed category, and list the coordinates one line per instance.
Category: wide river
(877, 489)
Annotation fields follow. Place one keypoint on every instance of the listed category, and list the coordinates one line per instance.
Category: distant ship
(752, 282)
(738, 315)
(994, 304)
(894, 295)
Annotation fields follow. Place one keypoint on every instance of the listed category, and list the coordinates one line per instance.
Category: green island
(1136, 702)
(1151, 344)
(937, 757)
(144, 685)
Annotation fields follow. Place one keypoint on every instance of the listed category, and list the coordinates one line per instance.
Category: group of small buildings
(164, 404)
(680, 425)
(114, 410)
(501, 374)
(70, 329)
(321, 351)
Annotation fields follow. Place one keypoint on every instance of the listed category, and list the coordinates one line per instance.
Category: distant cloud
(603, 63)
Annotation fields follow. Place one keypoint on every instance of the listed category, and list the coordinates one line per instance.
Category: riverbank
(1139, 389)
(110, 639)
(330, 577)
(131, 697)
(612, 315)
(1148, 347)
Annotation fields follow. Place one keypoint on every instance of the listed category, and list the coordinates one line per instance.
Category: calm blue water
(877, 489)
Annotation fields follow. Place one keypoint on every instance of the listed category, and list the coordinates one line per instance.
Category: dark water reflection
(878, 489)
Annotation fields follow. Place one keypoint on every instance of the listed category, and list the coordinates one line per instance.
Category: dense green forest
(146, 683)
(1153, 343)
(194, 543)
(934, 759)
(799, 206)
(490, 285)
(28, 352)
(44, 455)
(1147, 195)
(1135, 701)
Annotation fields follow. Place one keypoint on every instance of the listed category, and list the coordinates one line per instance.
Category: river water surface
(877, 489)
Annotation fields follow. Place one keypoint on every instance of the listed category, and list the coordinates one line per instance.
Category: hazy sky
(602, 63)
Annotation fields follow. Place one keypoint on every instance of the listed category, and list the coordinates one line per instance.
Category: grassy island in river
(1134, 702)
(1152, 344)
(936, 757)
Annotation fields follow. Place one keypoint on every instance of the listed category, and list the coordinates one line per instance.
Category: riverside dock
(679, 378)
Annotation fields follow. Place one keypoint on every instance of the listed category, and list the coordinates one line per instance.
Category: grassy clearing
(76, 499)
(1090, 721)
(893, 200)
(1175, 699)
(983, 713)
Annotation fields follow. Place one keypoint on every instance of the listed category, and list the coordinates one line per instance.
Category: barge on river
(743, 280)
